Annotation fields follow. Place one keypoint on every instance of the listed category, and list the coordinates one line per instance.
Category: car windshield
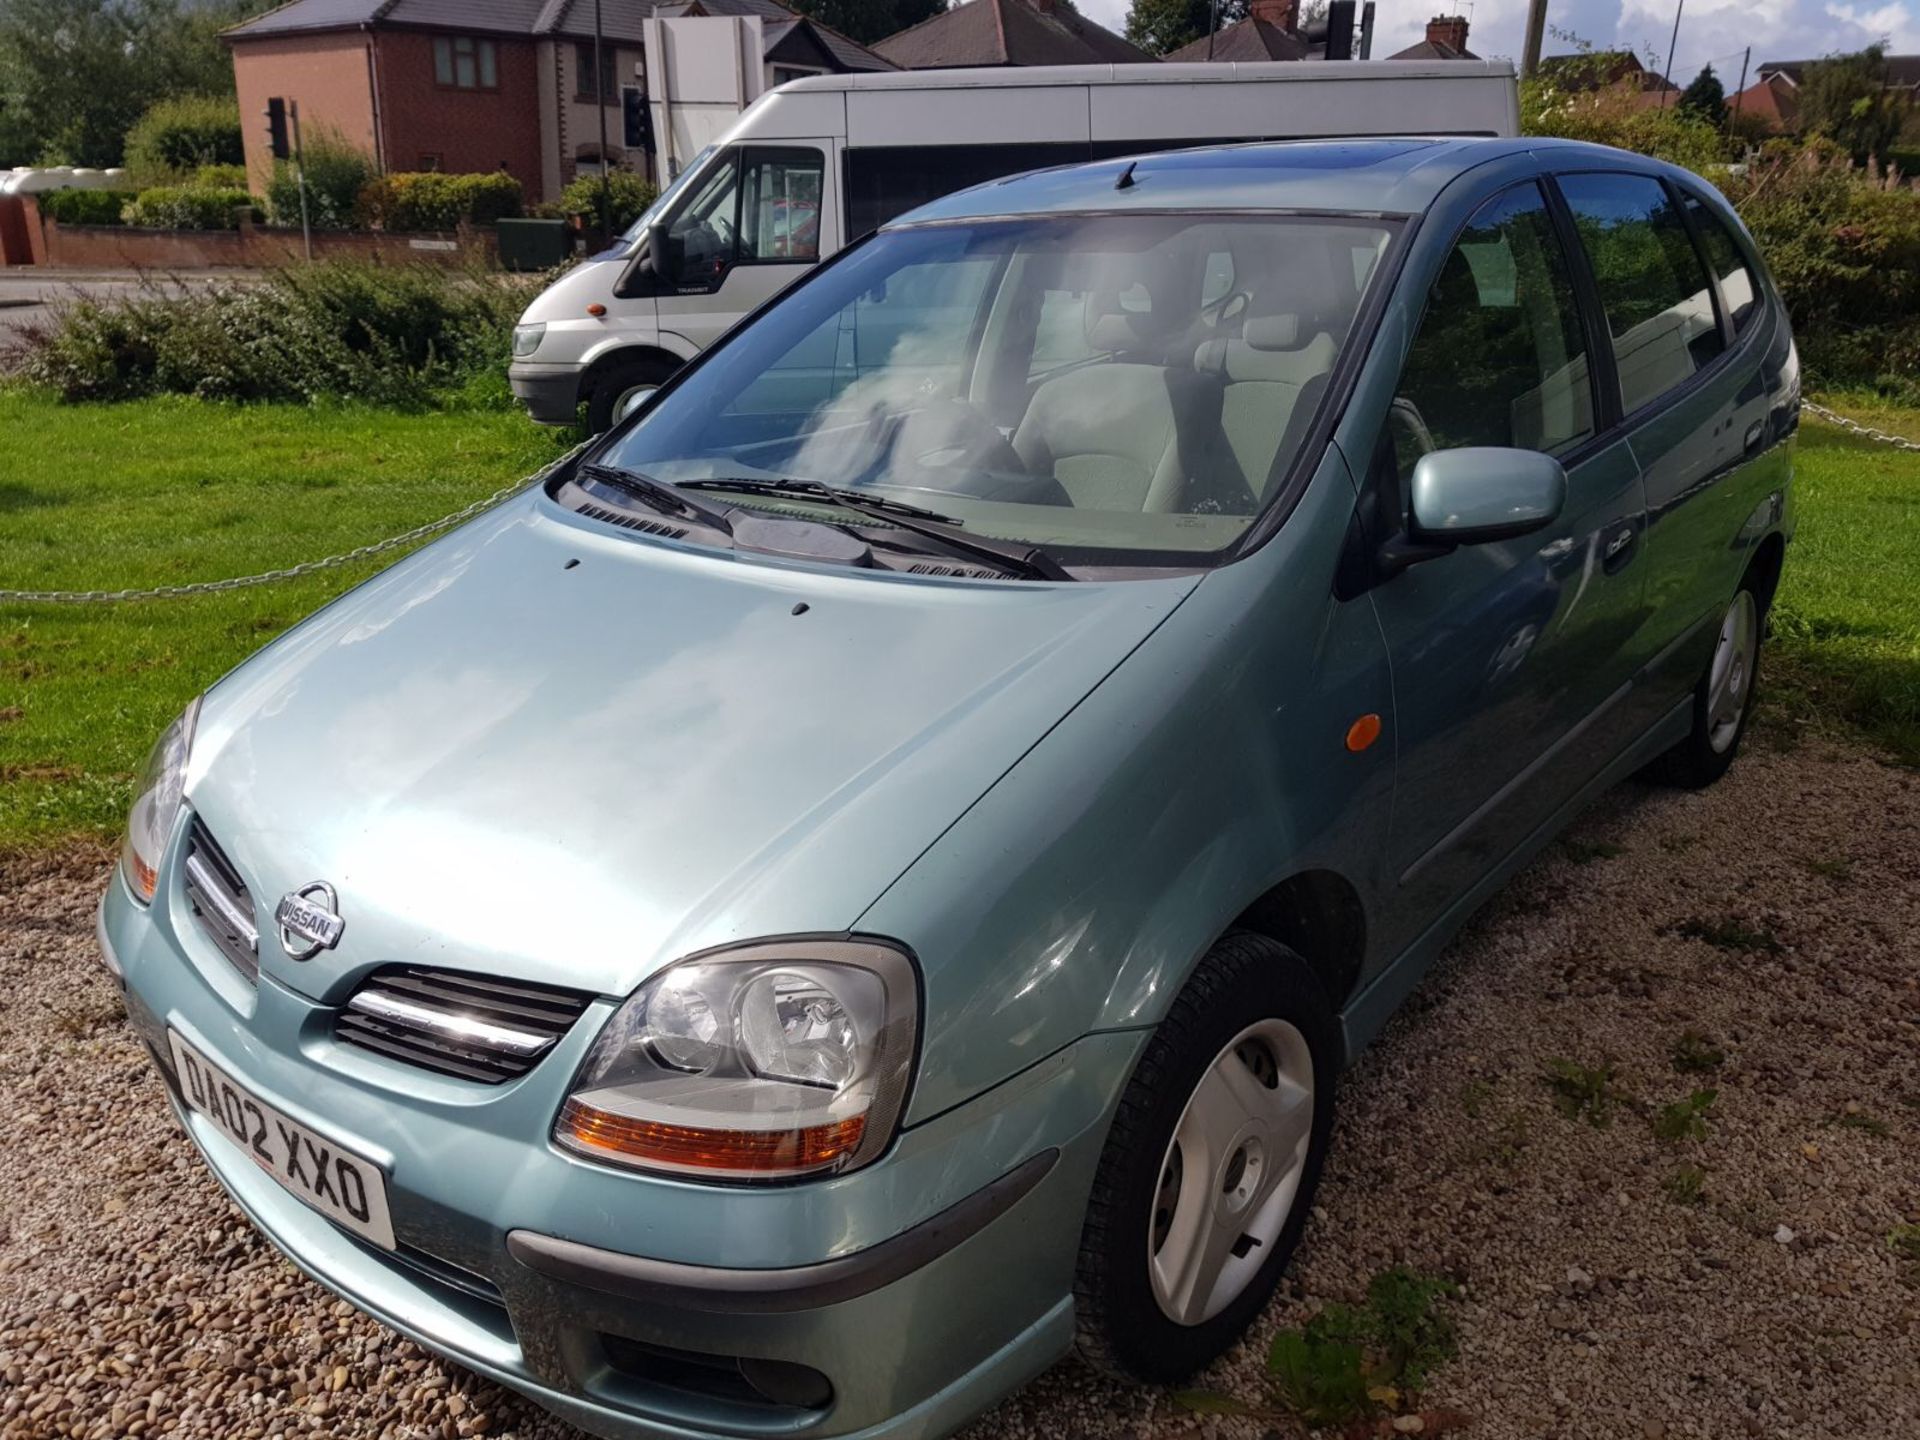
(1133, 384)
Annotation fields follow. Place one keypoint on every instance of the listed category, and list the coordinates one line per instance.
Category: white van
(819, 162)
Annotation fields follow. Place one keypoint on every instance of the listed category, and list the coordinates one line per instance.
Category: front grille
(472, 1027)
(220, 902)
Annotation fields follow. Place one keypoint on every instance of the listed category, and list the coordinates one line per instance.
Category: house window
(429, 162)
(783, 73)
(583, 76)
(463, 62)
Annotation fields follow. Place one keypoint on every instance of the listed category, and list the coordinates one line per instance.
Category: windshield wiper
(668, 499)
(1028, 560)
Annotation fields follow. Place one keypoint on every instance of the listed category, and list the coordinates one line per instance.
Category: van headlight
(162, 786)
(527, 338)
(769, 1062)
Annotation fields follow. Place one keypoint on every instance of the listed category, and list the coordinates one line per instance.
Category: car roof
(1390, 175)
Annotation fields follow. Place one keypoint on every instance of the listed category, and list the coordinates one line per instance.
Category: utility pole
(1743, 87)
(600, 104)
(1666, 73)
(300, 179)
(1213, 25)
(1536, 32)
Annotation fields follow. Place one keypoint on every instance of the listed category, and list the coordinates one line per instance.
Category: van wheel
(622, 384)
(1211, 1164)
(1722, 700)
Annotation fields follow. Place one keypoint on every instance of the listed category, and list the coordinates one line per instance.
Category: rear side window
(1500, 358)
(1659, 304)
(1737, 289)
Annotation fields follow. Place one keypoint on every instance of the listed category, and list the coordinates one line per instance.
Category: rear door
(1508, 658)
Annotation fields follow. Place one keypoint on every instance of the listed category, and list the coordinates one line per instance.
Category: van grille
(221, 903)
(634, 522)
(472, 1027)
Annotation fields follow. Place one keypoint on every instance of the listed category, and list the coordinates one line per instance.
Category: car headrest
(1112, 327)
(1272, 332)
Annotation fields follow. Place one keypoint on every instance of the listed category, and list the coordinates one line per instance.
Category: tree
(1846, 99)
(869, 20)
(1705, 97)
(1162, 26)
(76, 74)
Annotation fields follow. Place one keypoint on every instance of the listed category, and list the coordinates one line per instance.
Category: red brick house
(469, 85)
(1270, 32)
(1446, 40)
(1008, 32)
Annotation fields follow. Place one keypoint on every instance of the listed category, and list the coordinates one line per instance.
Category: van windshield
(1115, 384)
(658, 209)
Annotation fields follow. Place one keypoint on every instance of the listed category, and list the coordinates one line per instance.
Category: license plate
(348, 1189)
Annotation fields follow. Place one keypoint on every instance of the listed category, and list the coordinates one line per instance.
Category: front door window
(760, 207)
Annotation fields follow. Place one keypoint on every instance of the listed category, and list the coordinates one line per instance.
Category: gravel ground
(1774, 914)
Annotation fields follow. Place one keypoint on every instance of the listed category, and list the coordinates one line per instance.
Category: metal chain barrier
(1833, 417)
(291, 572)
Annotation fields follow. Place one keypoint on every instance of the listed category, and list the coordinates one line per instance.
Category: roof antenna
(1125, 182)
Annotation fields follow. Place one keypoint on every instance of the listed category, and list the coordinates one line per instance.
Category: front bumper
(922, 1288)
(551, 393)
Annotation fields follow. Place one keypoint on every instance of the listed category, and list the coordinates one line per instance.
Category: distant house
(1446, 40)
(1773, 101)
(469, 85)
(1603, 70)
(1902, 72)
(1270, 32)
(1007, 32)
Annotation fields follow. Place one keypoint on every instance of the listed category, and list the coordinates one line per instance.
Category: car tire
(1145, 1306)
(1722, 698)
(619, 380)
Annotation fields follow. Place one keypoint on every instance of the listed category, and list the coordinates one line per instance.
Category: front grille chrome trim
(207, 890)
(446, 1025)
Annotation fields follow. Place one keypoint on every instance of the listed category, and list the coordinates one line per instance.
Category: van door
(1509, 659)
(747, 230)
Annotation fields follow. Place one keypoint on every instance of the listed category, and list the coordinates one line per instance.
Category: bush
(1559, 105)
(85, 207)
(176, 137)
(403, 335)
(431, 200)
(337, 173)
(629, 194)
(186, 207)
(221, 177)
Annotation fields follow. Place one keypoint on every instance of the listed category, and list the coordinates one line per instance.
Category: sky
(1711, 31)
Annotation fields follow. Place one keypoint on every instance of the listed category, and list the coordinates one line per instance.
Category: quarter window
(465, 63)
(1658, 301)
(1500, 358)
(1737, 290)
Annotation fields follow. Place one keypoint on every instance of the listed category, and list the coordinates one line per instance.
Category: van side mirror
(659, 255)
(1473, 496)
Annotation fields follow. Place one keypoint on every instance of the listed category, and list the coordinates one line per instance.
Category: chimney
(1281, 14)
(1448, 30)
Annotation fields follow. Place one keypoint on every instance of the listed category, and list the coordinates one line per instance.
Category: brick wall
(326, 73)
(122, 247)
(469, 130)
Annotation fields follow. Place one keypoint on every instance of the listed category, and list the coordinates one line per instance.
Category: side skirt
(1368, 1011)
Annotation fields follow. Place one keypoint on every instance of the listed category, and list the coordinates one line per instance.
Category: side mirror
(1473, 496)
(659, 255)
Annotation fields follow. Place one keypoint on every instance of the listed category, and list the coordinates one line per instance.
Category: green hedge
(431, 200)
(85, 207)
(628, 193)
(176, 137)
(336, 173)
(187, 207)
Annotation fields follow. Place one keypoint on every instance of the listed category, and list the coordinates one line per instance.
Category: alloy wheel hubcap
(1730, 680)
(1231, 1172)
(630, 400)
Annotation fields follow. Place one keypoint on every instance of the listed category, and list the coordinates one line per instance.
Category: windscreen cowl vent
(970, 572)
(634, 522)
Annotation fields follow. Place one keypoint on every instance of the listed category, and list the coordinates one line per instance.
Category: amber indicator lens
(1363, 732)
(762, 1153)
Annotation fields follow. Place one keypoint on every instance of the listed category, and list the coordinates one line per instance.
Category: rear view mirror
(1483, 493)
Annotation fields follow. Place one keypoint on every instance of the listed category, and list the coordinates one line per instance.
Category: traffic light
(636, 119)
(277, 143)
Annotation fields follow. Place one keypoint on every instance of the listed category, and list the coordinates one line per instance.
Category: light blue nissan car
(864, 882)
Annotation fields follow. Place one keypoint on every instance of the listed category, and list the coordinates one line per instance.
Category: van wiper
(1028, 560)
(667, 499)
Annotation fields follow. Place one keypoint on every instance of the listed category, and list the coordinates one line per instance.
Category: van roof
(1391, 175)
(1014, 77)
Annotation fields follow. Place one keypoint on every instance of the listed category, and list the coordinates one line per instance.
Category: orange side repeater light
(1363, 732)
(689, 1147)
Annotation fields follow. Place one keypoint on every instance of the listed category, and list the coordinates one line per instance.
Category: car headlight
(769, 1062)
(156, 802)
(526, 339)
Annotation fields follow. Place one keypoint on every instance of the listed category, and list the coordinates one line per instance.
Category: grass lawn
(165, 491)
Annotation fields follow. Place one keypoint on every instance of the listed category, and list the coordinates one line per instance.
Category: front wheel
(1722, 699)
(1211, 1164)
(621, 386)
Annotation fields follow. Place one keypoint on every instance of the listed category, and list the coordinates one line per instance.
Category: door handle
(1756, 432)
(1618, 551)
